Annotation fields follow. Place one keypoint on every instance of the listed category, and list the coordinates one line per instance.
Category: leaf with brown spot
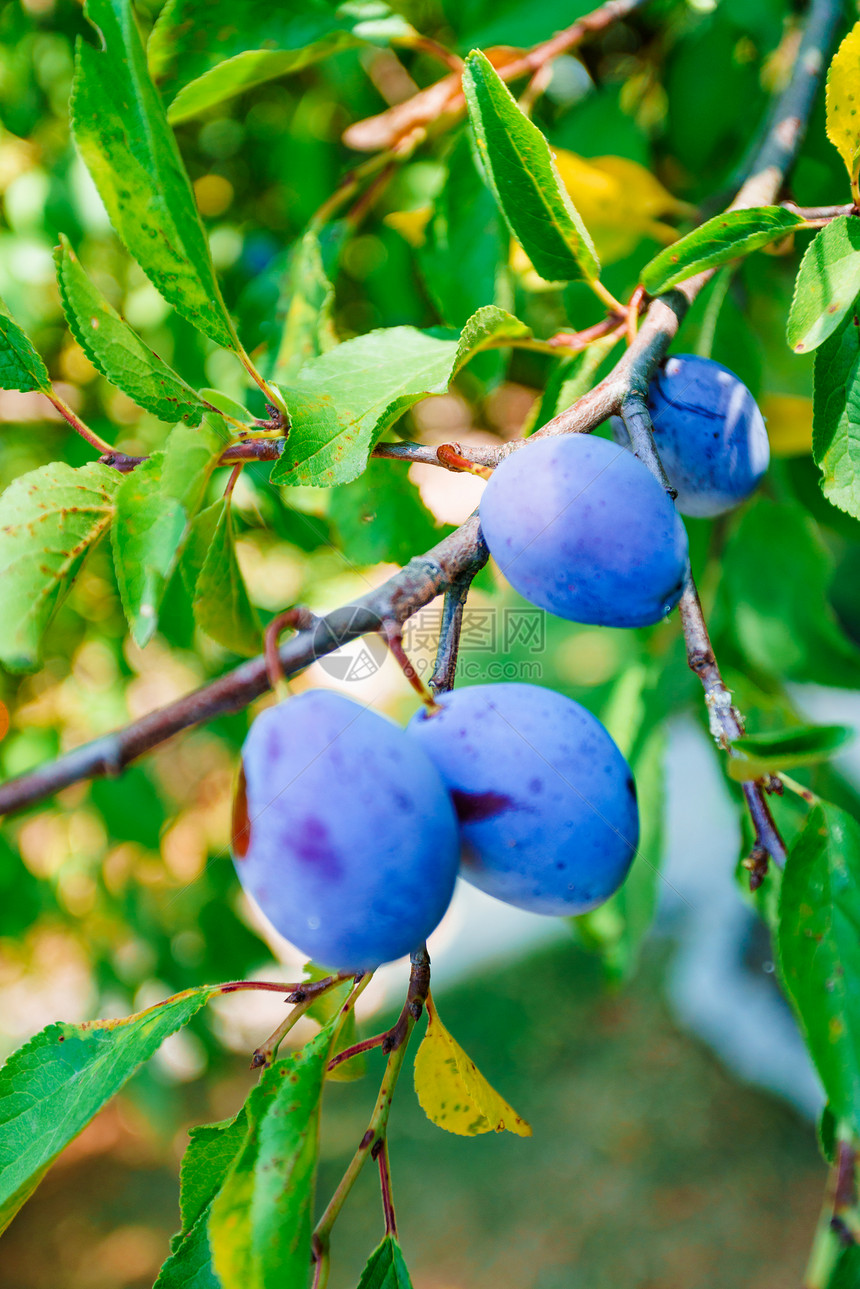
(117, 351)
(49, 519)
(453, 1092)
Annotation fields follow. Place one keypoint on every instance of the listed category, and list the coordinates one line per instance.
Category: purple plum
(580, 527)
(546, 802)
(343, 831)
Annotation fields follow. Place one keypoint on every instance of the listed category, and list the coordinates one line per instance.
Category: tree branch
(459, 556)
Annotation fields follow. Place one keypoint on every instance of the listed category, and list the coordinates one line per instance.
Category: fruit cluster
(349, 832)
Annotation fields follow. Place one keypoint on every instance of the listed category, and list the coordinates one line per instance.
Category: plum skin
(343, 833)
(580, 527)
(709, 433)
(546, 801)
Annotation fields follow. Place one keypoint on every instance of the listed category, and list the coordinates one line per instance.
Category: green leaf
(521, 172)
(49, 519)
(343, 401)
(260, 1226)
(20, 365)
(819, 950)
(846, 1273)
(212, 1149)
(723, 238)
(827, 284)
(762, 754)
(123, 136)
(155, 508)
(218, 48)
(52, 1087)
(463, 260)
(221, 604)
(385, 1268)
(836, 416)
(776, 571)
(116, 350)
(380, 516)
(308, 329)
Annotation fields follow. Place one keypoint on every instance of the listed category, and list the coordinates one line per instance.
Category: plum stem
(392, 634)
(297, 619)
(445, 668)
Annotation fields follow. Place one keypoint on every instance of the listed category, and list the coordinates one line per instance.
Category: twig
(236, 453)
(77, 424)
(419, 985)
(463, 552)
(445, 668)
(421, 454)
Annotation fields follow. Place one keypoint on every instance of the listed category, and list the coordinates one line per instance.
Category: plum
(343, 831)
(580, 527)
(546, 802)
(709, 433)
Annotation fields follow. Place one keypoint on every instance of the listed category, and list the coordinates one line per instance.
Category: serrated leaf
(260, 1225)
(836, 416)
(843, 104)
(116, 350)
(308, 328)
(156, 506)
(385, 1268)
(776, 571)
(221, 604)
(49, 519)
(52, 1087)
(212, 1149)
(122, 134)
(20, 365)
(453, 1092)
(215, 50)
(827, 284)
(343, 401)
(819, 950)
(762, 754)
(723, 238)
(520, 170)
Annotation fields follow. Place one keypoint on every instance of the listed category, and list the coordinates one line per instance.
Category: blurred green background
(649, 1167)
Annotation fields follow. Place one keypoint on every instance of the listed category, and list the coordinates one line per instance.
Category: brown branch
(235, 454)
(460, 555)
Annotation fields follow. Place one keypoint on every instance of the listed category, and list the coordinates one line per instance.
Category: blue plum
(343, 831)
(546, 802)
(709, 433)
(580, 527)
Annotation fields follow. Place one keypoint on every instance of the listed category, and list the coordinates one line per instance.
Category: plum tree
(343, 832)
(580, 527)
(709, 432)
(546, 802)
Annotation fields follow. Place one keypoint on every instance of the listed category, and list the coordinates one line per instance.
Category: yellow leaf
(843, 104)
(452, 1091)
(789, 424)
(410, 224)
(620, 203)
